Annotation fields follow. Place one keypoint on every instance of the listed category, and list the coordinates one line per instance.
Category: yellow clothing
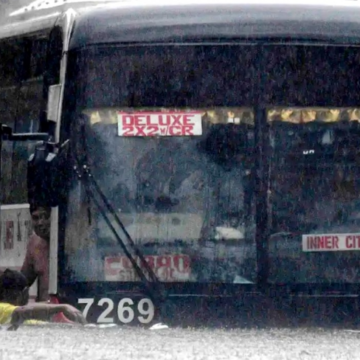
(6, 311)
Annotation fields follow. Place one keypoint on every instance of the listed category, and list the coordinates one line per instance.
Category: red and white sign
(331, 242)
(166, 267)
(176, 123)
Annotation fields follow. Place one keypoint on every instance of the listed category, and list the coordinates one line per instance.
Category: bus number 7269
(126, 312)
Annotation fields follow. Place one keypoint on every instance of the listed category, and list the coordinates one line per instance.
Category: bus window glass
(22, 66)
(315, 184)
(180, 177)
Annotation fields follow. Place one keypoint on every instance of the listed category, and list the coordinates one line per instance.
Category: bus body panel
(16, 228)
(214, 20)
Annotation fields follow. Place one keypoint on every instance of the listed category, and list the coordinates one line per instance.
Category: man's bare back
(36, 263)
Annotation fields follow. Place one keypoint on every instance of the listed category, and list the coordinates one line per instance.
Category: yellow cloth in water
(6, 311)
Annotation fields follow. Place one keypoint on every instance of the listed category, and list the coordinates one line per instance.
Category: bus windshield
(202, 149)
(314, 187)
(179, 177)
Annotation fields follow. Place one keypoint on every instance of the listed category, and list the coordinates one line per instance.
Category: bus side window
(53, 58)
(22, 68)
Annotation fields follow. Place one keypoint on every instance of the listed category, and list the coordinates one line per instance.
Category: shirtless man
(36, 263)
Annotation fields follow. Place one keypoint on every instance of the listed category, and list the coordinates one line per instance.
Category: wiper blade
(155, 288)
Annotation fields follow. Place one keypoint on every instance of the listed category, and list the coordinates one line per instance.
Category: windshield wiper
(154, 287)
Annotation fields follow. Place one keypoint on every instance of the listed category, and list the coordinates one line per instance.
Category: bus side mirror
(47, 176)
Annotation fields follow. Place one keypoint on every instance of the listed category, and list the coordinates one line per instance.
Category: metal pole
(1, 187)
(261, 172)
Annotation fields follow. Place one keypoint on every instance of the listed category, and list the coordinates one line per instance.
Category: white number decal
(148, 310)
(125, 310)
(88, 303)
(103, 317)
(122, 309)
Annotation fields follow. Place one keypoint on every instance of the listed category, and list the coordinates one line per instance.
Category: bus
(201, 158)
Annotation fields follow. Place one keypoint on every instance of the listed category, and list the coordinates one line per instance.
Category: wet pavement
(57, 342)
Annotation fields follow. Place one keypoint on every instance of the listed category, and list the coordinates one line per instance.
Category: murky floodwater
(57, 342)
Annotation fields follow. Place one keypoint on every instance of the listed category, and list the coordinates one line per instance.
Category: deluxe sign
(177, 123)
(331, 242)
(166, 267)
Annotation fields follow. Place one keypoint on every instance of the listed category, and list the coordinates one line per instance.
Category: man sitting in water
(14, 307)
(36, 262)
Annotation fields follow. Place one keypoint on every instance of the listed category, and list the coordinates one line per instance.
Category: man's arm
(28, 266)
(44, 312)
